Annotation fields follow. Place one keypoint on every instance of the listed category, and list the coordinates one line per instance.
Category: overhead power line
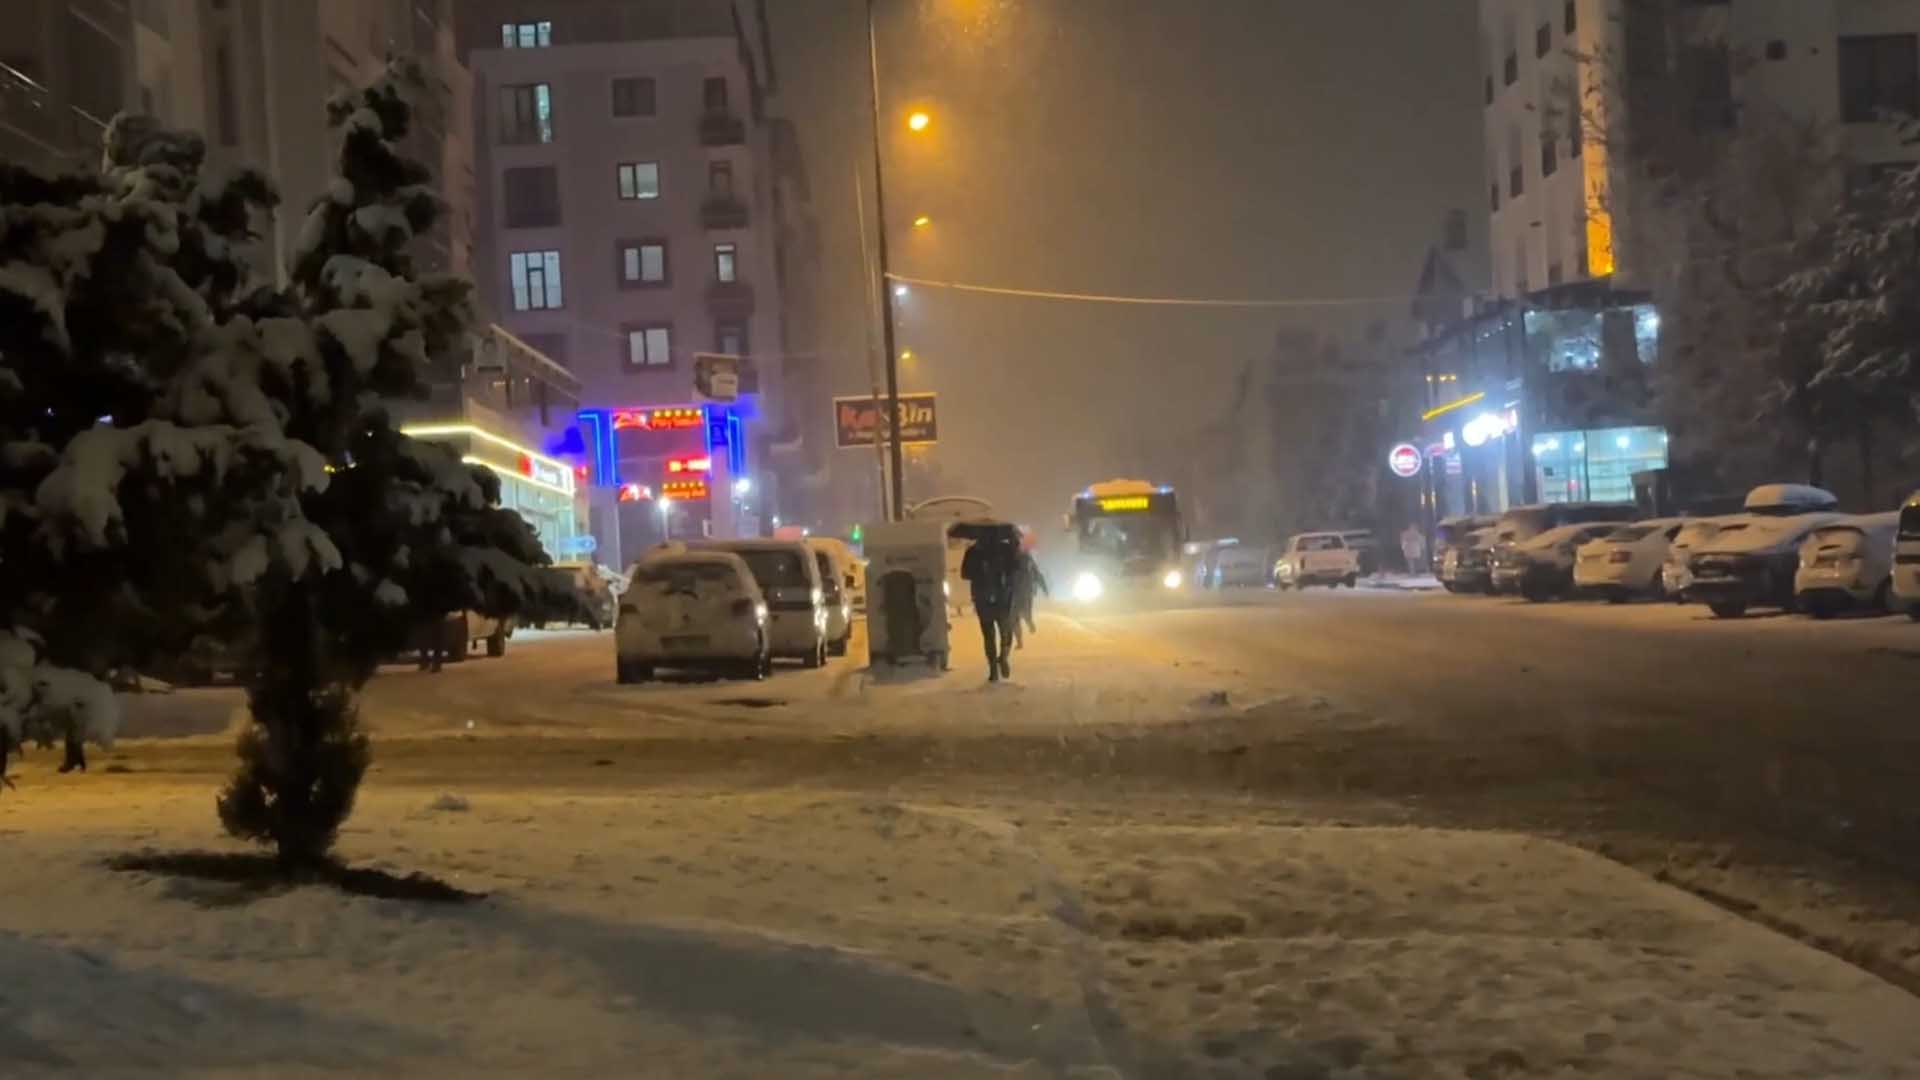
(1155, 301)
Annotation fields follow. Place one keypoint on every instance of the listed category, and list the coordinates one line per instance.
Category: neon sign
(690, 464)
(684, 489)
(674, 419)
(634, 493)
(1125, 502)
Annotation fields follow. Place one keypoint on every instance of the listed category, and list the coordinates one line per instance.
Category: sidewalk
(802, 933)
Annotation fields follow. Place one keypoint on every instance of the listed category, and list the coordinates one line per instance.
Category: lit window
(536, 280)
(643, 263)
(526, 113)
(526, 35)
(649, 346)
(725, 262)
(640, 180)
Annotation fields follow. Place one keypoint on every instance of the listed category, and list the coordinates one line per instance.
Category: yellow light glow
(922, 221)
(919, 121)
(443, 431)
(906, 354)
(1457, 403)
(1594, 174)
(1126, 502)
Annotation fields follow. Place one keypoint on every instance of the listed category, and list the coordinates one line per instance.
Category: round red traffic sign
(1404, 460)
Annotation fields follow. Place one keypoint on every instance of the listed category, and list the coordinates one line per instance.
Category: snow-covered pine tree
(418, 532)
(144, 480)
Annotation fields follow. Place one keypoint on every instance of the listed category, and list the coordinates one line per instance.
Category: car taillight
(1620, 556)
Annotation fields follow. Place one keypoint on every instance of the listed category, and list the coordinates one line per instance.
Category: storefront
(668, 472)
(539, 488)
(1595, 465)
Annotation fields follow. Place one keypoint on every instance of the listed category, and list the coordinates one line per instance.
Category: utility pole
(873, 366)
(898, 503)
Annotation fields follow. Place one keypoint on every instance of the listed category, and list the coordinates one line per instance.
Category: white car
(789, 579)
(1847, 565)
(1239, 566)
(1627, 561)
(1906, 559)
(1321, 558)
(839, 607)
(1674, 575)
(696, 610)
(1752, 557)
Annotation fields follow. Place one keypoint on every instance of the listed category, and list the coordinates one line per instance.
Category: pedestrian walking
(1413, 546)
(1026, 578)
(988, 568)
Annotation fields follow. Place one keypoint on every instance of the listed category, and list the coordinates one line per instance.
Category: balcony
(722, 129)
(730, 299)
(723, 212)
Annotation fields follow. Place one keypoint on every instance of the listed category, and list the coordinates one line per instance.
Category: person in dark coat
(988, 568)
(1026, 578)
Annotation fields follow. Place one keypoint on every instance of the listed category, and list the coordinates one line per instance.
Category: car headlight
(1087, 587)
(1173, 580)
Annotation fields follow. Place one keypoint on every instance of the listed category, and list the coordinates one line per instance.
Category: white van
(1906, 559)
(836, 579)
(1847, 565)
(789, 578)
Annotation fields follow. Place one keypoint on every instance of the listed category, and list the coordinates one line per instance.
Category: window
(730, 338)
(1570, 21)
(1489, 89)
(643, 263)
(536, 280)
(1456, 230)
(1543, 39)
(526, 113)
(720, 179)
(532, 197)
(1549, 156)
(633, 96)
(526, 35)
(1511, 72)
(1776, 49)
(648, 346)
(228, 104)
(1493, 195)
(715, 94)
(1576, 128)
(725, 263)
(1708, 71)
(1879, 73)
(1516, 171)
(640, 180)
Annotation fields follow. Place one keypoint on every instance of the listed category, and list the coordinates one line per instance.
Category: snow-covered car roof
(1884, 522)
(1632, 532)
(1758, 532)
(1562, 533)
(1768, 496)
(684, 557)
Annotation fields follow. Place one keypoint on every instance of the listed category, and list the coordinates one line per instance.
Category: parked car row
(1789, 548)
(1315, 558)
(733, 606)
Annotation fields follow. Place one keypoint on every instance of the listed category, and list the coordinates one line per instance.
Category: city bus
(1128, 534)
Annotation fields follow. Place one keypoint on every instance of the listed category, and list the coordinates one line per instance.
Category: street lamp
(918, 121)
(889, 349)
(922, 221)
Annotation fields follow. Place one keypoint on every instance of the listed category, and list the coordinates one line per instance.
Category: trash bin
(907, 592)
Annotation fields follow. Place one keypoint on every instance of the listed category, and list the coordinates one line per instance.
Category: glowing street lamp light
(900, 292)
(918, 121)
(922, 221)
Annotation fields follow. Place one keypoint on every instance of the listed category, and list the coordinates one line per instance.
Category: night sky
(1270, 149)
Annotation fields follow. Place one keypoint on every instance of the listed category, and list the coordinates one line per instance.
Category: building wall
(1784, 57)
(66, 66)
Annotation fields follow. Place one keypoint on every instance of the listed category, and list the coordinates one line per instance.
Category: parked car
(1451, 533)
(1847, 566)
(1366, 550)
(1523, 523)
(1752, 557)
(1674, 574)
(577, 593)
(1541, 566)
(1626, 562)
(839, 608)
(847, 568)
(1906, 559)
(1468, 567)
(789, 579)
(698, 610)
(463, 630)
(1316, 559)
(1241, 566)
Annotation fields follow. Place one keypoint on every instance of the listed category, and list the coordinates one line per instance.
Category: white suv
(1317, 558)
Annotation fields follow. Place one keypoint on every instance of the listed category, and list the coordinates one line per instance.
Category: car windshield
(1629, 533)
(1320, 543)
(1910, 522)
(773, 568)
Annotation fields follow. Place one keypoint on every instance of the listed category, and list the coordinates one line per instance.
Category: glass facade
(1595, 465)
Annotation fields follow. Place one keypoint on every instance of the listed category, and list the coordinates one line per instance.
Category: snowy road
(1277, 836)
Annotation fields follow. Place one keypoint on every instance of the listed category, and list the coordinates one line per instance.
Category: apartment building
(626, 224)
(66, 67)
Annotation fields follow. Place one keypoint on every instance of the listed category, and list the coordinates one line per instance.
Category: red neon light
(684, 489)
(634, 493)
(658, 419)
(689, 464)
(526, 465)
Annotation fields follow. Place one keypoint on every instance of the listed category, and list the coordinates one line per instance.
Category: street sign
(858, 421)
(716, 376)
(576, 546)
(1404, 460)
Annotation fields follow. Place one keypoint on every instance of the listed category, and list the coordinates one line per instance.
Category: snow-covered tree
(144, 479)
(417, 533)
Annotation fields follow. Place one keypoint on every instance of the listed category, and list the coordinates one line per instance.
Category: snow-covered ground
(801, 933)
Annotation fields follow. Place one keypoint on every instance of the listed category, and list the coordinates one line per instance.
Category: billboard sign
(1404, 460)
(716, 377)
(859, 421)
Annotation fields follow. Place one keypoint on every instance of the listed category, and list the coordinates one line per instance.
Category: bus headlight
(1087, 587)
(1173, 580)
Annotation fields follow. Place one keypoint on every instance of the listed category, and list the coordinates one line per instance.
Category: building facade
(626, 225)
(66, 67)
